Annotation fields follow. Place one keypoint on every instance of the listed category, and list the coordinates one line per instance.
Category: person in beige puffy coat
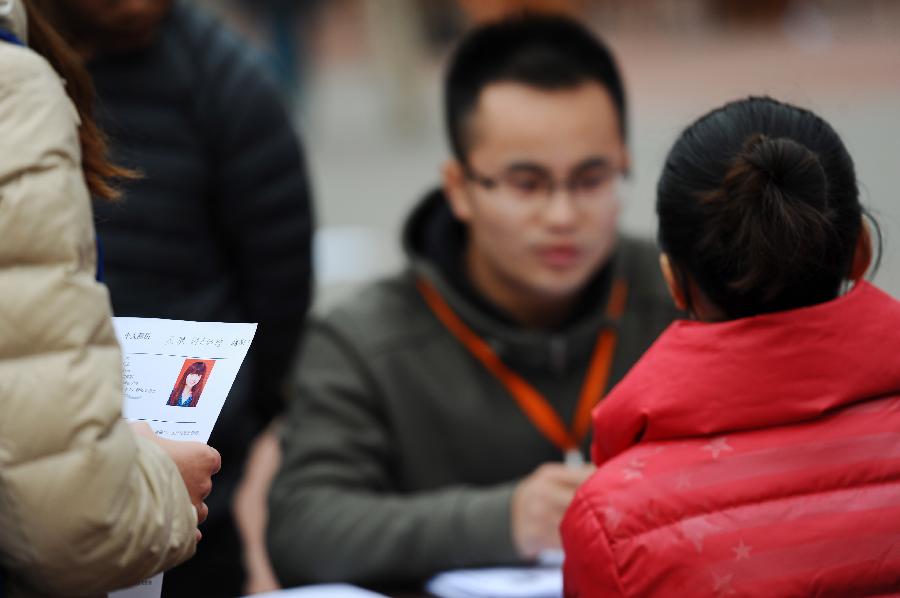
(88, 503)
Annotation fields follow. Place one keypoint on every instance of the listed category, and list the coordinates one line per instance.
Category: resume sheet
(176, 376)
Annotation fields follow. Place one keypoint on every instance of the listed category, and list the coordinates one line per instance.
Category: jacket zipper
(558, 350)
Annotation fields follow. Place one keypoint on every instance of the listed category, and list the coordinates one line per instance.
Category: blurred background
(363, 78)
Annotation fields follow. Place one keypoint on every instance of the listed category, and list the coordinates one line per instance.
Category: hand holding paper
(197, 463)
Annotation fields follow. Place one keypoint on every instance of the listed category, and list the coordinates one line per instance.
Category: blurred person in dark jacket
(219, 227)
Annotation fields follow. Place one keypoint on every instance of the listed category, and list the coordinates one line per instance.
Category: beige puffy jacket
(85, 506)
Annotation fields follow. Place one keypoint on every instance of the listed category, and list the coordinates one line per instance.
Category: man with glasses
(441, 416)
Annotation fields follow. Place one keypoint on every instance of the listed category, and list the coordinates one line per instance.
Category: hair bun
(774, 200)
(791, 168)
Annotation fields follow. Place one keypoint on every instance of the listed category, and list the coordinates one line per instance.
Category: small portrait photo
(190, 382)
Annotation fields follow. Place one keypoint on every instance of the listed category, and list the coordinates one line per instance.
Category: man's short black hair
(544, 51)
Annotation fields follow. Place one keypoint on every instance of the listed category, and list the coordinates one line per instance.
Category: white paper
(170, 362)
(157, 358)
(337, 590)
(149, 588)
(501, 582)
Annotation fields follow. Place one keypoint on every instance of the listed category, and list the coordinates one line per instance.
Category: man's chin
(558, 285)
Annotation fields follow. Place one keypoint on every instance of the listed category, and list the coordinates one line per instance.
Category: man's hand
(196, 462)
(539, 503)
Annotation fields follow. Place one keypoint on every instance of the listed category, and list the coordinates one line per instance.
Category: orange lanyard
(531, 402)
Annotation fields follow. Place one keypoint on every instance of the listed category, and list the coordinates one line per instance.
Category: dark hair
(98, 170)
(758, 204)
(544, 51)
(198, 367)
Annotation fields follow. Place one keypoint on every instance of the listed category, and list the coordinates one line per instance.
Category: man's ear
(454, 179)
(672, 282)
(862, 255)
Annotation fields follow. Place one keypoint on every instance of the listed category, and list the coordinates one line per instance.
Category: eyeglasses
(534, 186)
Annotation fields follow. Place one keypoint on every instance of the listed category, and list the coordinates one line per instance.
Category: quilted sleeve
(589, 569)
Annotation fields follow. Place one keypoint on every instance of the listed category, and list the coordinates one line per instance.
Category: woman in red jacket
(755, 449)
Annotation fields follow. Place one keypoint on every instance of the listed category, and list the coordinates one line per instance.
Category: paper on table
(159, 368)
(159, 358)
(501, 582)
(337, 590)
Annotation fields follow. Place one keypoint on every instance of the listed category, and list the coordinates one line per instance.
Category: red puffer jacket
(757, 457)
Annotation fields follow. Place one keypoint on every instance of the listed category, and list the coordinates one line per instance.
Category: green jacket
(401, 452)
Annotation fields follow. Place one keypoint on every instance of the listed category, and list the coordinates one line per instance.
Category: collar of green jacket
(434, 241)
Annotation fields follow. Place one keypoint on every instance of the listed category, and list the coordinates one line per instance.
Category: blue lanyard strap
(10, 37)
